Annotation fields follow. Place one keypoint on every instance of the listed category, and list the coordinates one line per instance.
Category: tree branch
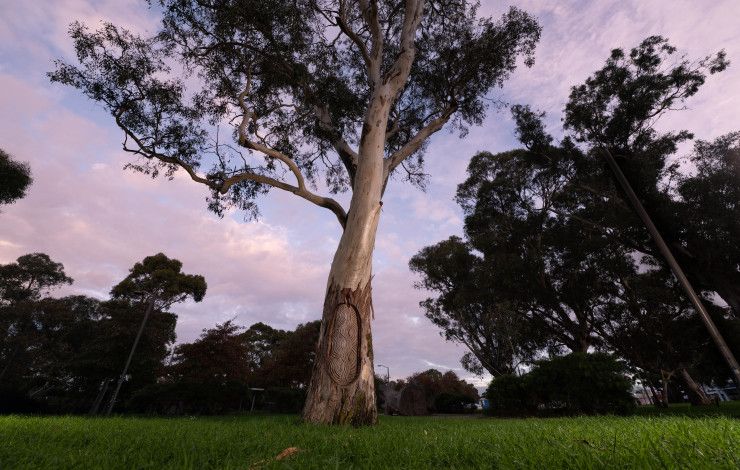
(346, 153)
(417, 141)
(321, 201)
(300, 190)
(401, 68)
(370, 13)
(342, 21)
(223, 187)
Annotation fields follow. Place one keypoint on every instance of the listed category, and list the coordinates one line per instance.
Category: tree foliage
(30, 277)
(552, 248)
(444, 392)
(58, 354)
(15, 178)
(228, 366)
(160, 279)
(578, 383)
(292, 358)
(293, 82)
(55, 353)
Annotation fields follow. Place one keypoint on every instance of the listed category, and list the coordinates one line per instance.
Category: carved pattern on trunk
(343, 351)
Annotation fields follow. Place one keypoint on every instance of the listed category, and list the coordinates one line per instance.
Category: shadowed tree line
(442, 392)
(66, 354)
(554, 260)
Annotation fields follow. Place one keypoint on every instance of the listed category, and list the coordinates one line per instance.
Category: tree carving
(343, 359)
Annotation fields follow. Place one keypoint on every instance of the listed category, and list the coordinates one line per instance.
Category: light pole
(387, 373)
(387, 384)
(149, 308)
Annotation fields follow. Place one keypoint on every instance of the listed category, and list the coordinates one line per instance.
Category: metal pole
(387, 384)
(99, 399)
(149, 309)
(387, 373)
(677, 271)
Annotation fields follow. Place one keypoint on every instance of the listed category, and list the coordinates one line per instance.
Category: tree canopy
(292, 82)
(159, 279)
(55, 353)
(30, 277)
(550, 221)
(15, 178)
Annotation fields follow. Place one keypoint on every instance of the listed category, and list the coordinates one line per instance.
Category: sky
(86, 212)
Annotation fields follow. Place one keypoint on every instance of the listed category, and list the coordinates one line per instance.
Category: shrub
(581, 383)
(284, 400)
(578, 383)
(16, 401)
(453, 403)
(508, 396)
(191, 398)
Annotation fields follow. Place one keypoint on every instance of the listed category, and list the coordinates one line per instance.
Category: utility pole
(675, 267)
(149, 309)
(387, 385)
(99, 399)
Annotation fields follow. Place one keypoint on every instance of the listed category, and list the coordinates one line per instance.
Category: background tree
(616, 108)
(262, 340)
(30, 277)
(153, 284)
(444, 392)
(550, 217)
(470, 309)
(54, 373)
(15, 178)
(220, 355)
(292, 359)
(210, 375)
(521, 229)
(21, 284)
(657, 331)
(710, 199)
(351, 87)
(218, 372)
(642, 70)
(58, 354)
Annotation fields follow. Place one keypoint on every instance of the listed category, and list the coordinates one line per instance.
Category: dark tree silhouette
(30, 277)
(154, 284)
(15, 178)
(557, 206)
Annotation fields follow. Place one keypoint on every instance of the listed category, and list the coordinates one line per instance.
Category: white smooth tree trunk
(342, 388)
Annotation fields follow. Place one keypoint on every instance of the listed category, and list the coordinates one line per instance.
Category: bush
(581, 383)
(453, 403)
(191, 398)
(578, 383)
(284, 400)
(15, 401)
(508, 396)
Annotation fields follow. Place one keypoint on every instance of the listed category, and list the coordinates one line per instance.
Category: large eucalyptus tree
(350, 89)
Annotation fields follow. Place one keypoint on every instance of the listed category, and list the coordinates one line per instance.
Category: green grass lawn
(429, 442)
(730, 409)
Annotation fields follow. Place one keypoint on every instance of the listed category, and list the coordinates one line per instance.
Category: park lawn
(729, 408)
(245, 442)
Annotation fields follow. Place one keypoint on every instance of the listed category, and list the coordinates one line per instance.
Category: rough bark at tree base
(342, 388)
